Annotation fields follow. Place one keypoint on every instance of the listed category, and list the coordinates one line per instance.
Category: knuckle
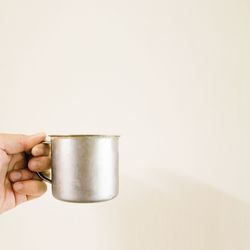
(23, 141)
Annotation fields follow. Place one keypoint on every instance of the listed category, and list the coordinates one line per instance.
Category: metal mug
(84, 167)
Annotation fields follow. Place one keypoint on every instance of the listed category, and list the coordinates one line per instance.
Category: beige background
(172, 77)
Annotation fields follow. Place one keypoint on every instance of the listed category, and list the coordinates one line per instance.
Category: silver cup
(84, 167)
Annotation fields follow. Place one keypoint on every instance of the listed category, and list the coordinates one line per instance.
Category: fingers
(22, 175)
(31, 188)
(26, 185)
(41, 150)
(41, 160)
(39, 164)
(14, 144)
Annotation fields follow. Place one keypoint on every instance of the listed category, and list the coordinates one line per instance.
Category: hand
(18, 180)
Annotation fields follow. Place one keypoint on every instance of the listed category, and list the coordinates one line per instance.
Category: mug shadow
(163, 210)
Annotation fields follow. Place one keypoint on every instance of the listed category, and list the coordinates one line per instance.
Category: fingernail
(15, 176)
(18, 186)
(38, 151)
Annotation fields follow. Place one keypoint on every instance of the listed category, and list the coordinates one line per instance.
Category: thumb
(14, 144)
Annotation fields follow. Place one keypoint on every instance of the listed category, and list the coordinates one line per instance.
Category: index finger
(14, 144)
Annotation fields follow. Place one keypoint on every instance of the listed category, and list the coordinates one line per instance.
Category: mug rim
(81, 136)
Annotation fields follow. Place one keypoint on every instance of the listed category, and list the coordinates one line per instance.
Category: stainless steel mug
(84, 167)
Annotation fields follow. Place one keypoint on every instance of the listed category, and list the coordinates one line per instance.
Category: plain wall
(173, 79)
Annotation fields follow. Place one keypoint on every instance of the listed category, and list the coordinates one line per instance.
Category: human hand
(18, 179)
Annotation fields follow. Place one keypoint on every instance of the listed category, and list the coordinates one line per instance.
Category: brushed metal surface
(84, 167)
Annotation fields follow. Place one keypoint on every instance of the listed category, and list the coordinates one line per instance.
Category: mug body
(84, 167)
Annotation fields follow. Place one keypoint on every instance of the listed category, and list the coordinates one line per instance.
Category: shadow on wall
(162, 210)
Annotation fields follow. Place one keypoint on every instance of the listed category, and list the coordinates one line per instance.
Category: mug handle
(41, 174)
(43, 177)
